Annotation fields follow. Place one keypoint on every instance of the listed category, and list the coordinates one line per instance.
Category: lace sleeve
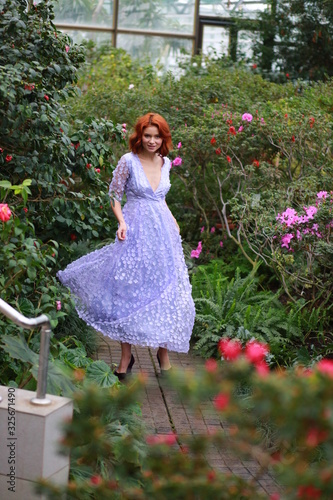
(120, 176)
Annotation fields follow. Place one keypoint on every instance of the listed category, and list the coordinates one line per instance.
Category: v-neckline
(143, 170)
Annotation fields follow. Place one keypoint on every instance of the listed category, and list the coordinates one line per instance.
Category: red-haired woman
(137, 290)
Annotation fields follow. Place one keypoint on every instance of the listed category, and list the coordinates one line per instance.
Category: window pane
(244, 44)
(154, 48)
(98, 13)
(227, 8)
(160, 15)
(98, 37)
(215, 39)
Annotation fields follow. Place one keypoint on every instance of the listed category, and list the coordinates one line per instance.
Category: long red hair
(151, 119)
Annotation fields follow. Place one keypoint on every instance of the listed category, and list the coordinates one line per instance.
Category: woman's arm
(116, 208)
(173, 217)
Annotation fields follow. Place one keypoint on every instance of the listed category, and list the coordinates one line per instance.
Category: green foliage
(114, 458)
(236, 308)
(53, 176)
(296, 38)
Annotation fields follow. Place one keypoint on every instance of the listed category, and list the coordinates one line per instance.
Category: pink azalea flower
(58, 305)
(247, 117)
(262, 120)
(326, 366)
(67, 48)
(212, 230)
(322, 194)
(179, 145)
(230, 349)
(195, 253)
(262, 368)
(5, 213)
(177, 161)
(202, 229)
(221, 401)
(241, 128)
(221, 244)
(123, 125)
(256, 351)
(310, 211)
(286, 239)
(211, 365)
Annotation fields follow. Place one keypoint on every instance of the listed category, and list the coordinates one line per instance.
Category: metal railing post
(30, 323)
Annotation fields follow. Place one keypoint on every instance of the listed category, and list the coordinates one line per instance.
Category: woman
(137, 290)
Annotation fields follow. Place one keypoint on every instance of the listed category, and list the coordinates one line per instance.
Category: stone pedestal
(29, 443)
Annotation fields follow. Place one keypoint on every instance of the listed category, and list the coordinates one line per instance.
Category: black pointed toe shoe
(122, 376)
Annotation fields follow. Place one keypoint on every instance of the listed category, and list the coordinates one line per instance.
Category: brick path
(163, 413)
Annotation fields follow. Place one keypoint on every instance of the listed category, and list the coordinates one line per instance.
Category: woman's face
(151, 140)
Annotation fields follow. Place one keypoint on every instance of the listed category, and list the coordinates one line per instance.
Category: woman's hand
(121, 232)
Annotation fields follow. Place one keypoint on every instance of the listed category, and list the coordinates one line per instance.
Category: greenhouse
(161, 29)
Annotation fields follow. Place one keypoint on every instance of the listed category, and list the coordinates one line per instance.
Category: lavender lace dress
(137, 290)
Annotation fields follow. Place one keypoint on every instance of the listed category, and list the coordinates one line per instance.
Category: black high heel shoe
(122, 376)
(163, 372)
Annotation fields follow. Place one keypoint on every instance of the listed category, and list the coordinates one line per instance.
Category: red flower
(25, 209)
(325, 366)
(254, 66)
(1, 150)
(218, 151)
(5, 213)
(96, 480)
(213, 141)
(256, 163)
(88, 165)
(8, 158)
(46, 97)
(77, 145)
(230, 349)
(275, 496)
(221, 401)
(89, 140)
(315, 436)
(256, 351)
(228, 159)
(211, 475)
(311, 120)
(98, 170)
(168, 439)
(286, 115)
(308, 493)
(293, 138)
(211, 365)
(262, 368)
(73, 236)
(232, 131)
(287, 75)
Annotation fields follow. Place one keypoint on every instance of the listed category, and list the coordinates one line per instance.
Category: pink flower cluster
(255, 353)
(5, 213)
(291, 219)
(195, 253)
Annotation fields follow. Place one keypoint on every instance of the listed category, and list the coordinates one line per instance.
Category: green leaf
(101, 373)
(17, 348)
(5, 184)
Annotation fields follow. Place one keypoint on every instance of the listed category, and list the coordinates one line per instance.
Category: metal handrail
(44, 322)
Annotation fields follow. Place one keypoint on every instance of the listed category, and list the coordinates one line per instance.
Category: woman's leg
(164, 358)
(125, 357)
